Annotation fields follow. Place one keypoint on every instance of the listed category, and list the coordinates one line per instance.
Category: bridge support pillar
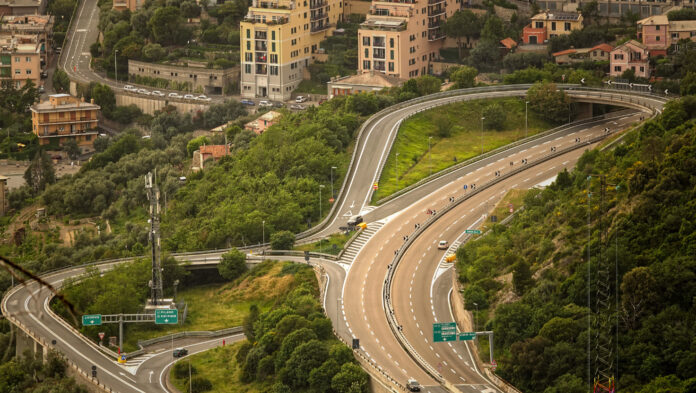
(25, 344)
(583, 110)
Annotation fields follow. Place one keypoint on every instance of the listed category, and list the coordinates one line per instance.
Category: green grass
(311, 87)
(327, 245)
(463, 143)
(219, 366)
(502, 209)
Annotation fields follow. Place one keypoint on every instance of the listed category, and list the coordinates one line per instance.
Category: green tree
(463, 77)
(72, 149)
(682, 14)
(493, 30)
(303, 360)
(232, 264)
(638, 294)
(104, 97)
(462, 24)
(282, 240)
(351, 379)
(589, 11)
(549, 102)
(427, 84)
(40, 172)
(153, 52)
(60, 80)
(320, 377)
(166, 25)
(249, 321)
(196, 143)
(687, 86)
(521, 277)
(485, 56)
(495, 116)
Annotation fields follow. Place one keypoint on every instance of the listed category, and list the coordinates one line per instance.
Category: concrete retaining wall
(150, 105)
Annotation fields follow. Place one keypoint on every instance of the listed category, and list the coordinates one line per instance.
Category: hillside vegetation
(646, 227)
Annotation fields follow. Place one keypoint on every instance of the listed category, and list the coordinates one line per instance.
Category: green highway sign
(466, 336)
(91, 320)
(445, 331)
(474, 231)
(166, 316)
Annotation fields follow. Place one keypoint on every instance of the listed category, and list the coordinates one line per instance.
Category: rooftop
(20, 3)
(383, 23)
(604, 47)
(216, 151)
(632, 43)
(270, 116)
(508, 42)
(654, 20)
(557, 15)
(62, 102)
(371, 79)
(16, 22)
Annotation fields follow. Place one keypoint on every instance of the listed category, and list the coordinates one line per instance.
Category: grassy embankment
(463, 142)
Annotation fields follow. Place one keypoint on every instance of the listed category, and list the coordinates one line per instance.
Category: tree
(493, 30)
(282, 240)
(196, 143)
(166, 26)
(249, 321)
(232, 264)
(589, 11)
(495, 116)
(104, 97)
(462, 24)
(485, 56)
(351, 379)
(153, 52)
(40, 172)
(427, 84)
(303, 360)
(687, 86)
(463, 77)
(72, 149)
(521, 277)
(320, 378)
(61, 82)
(682, 14)
(638, 292)
(549, 102)
(629, 75)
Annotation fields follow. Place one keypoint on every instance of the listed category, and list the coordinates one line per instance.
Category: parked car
(248, 102)
(413, 385)
(301, 99)
(279, 105)
(189, 97)
(42, 89)
(203, 97)
(443, 245)
(297, 107)
(180, 352)
(174, 95)
(265, 104)
(158, 93)
(143, 91)
(44, 74)
(58, 50)
(129, 88)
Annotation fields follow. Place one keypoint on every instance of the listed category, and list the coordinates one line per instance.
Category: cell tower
(604, 353)
(156, 281)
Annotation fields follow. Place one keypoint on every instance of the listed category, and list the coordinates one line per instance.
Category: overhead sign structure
(444, 332)
(91, 320)
(473, 231)
(467, 336)
(166, 316)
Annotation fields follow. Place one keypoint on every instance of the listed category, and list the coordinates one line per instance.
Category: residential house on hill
(631, 55)
(260, 124)
(657, 33)
(547, 25)
(206, 152)
(571, 56)
(367, 82)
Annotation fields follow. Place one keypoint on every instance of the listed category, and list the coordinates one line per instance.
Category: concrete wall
(150, 105)
(356, 7)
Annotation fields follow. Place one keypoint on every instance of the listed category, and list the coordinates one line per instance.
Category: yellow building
(64, 117)
(401, 38)
(19, 61)
(547, 25)
(278, 39)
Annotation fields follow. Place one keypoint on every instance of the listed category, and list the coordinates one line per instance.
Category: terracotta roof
(632, 42)
(604, 47)
(376, 79)
(508, 42)
(654, 20)
(565, 52)
(270, 116)
(216, 151)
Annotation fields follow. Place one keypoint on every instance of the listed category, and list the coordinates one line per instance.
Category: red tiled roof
(604, 47)
(216, 151)
(565, 52)
(508, 42)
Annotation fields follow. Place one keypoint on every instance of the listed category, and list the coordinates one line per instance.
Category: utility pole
(430, 156)
(320, 187)
(153, 197)
(116, 64)
(332, 189)
(482, 119)
(397, 169)
(526, 116)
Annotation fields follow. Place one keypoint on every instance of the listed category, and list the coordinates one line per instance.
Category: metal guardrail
(173, 336)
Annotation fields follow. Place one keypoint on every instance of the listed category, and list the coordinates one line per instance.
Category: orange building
(64, 118)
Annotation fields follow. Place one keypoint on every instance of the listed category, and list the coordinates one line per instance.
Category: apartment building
(22, 7)
(614, 9)
(63, 118)
(657, 33)
(278, 40)
(39, 27)
(631, 55)
(547, 25)
(401, 38)
(122, 5)
(19, 61)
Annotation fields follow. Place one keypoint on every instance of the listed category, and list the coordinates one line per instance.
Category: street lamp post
(397, 169)
(526, 127)
(430, 156)
(116, 64)
(482, 119)
(320, 187)
(263, 237)
(332, 190)
(476, 318)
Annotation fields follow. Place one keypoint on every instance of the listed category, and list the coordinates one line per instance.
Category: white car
(158, 93)
(297, 107)
(301, 99)
(443, 245)
(189, 97)
(174, 95)
(129, 88)
(143, 91)
(203, 97)
(265, 103)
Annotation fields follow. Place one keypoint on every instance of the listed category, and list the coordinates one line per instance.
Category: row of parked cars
(268, 104)
(158, 93)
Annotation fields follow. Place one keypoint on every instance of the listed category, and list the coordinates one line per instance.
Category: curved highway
(362, 313)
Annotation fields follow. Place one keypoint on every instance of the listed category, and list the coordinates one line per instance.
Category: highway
(357, 288)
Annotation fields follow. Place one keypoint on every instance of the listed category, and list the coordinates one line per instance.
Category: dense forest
(530, 278)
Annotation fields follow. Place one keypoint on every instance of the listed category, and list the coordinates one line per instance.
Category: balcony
(433, 2)
(379, 53)
(273, 6)
(318, 16)
(314, 4)
(435, 35)
(261, 69)
(317, 27)
(435, 24)
(261, 57)
(277, 21)
(433, 12)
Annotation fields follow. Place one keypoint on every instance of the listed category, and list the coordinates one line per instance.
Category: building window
(657, 28)
(17, 59)
(247, 68)
(28, 72)
(274, 70)
(367, 52)
(567, 26)
(617, 68)
(366, 41)
(273, 35)
(539, 25)
(27, 59)
(391, 42)
(553, 25)
(391, 55)
(293, 42)
(378, 53)
(642, 69)
(248, 57)
(391, 66)
(248, 45)
(248, 33)
(657, 38)
(274, 59)
(366, 64)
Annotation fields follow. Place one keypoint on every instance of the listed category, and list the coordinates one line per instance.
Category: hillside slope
(645, 230)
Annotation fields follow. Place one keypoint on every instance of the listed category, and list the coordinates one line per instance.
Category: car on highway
(443, 245)
(301, 99)
(158, 93)
(203, 97)
(189, 97)
(180, 352)
(129, 88)
(143, 91)
(413, 386)
(297, 107)
(248, 102)
(355, 220)
(265, 104)
(174, 95)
